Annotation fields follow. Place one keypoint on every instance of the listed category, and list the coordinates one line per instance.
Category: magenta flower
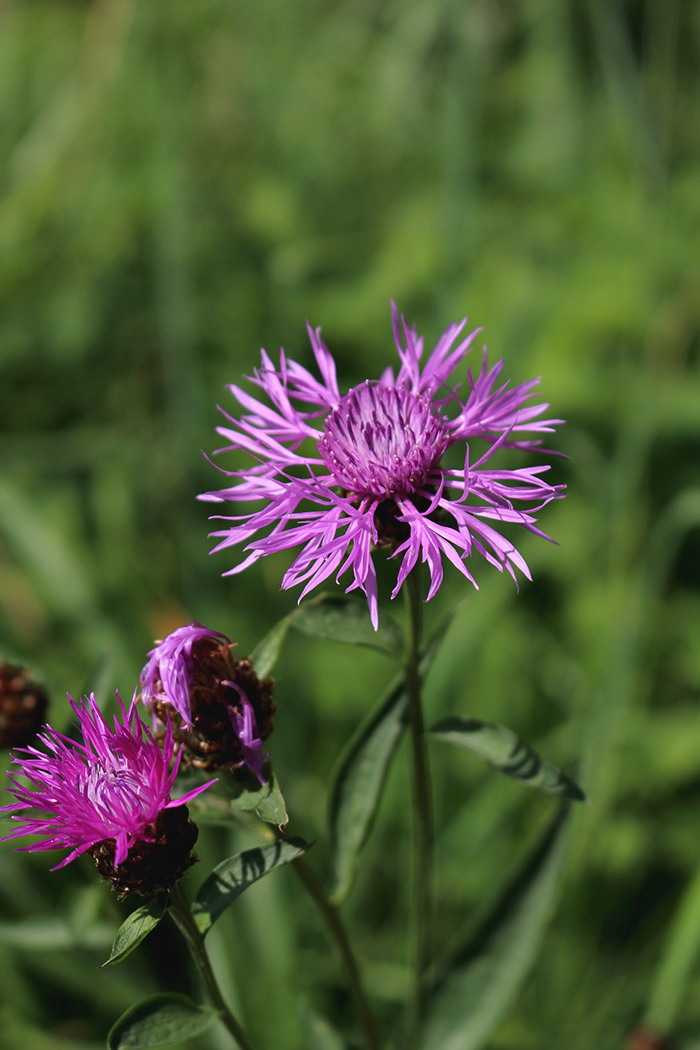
(217, 705)
(375, 478)
(109, 795)
(168, 674)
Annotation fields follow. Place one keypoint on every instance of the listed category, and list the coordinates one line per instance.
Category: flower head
(375, 477)
(217, 705)
(23, 703)
(109, 795)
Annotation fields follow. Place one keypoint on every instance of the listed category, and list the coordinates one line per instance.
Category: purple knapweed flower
(217, 705)
(109, 795)
(376, 476)
(168, 674)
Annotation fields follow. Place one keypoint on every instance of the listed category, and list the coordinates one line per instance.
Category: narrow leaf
(358, 785)
(501, 748)
(266, 652)
(160, 1021)
(361, 773)
(342, 619)
(133, 930)
(473, 997)
(230, 878)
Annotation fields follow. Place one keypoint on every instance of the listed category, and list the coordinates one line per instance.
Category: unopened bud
(217, 706)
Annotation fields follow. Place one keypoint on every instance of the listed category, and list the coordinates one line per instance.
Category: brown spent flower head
(22, 706)
(226, 711)
(151, 866)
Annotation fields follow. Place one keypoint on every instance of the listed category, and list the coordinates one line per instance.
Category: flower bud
(217, 705)
(22, 706)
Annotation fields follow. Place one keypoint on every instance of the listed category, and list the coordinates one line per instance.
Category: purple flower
(217, 705)
(168, 674)
(376, 477)
(112, 790)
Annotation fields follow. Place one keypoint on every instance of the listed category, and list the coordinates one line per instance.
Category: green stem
(335, 924)
(422, 809)
(183, 918)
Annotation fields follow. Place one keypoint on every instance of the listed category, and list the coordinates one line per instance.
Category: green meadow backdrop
(185, 181)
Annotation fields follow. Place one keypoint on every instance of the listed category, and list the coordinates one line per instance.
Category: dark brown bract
(213, 742)
(154, 866)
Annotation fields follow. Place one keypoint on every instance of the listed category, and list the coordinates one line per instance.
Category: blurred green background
(186, 181)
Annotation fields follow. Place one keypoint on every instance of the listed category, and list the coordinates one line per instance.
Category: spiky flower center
(382, 441)
(107, 787)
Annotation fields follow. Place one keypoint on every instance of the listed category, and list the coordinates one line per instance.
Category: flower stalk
(182, 916)
(336, 927)
(423, 834)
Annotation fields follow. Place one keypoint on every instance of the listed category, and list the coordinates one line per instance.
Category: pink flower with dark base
(109, 794)
(343, 474)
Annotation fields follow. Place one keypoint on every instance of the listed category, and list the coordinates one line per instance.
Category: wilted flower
(375, 477)
(109, 795)
(23, 703)
(216, 704)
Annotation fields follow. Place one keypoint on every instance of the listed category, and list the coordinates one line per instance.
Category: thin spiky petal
(377, 478)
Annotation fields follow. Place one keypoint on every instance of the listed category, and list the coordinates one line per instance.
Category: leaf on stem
(507, 753)
(159, 1021)
(137, 926)
(219, 811)
(347, 620)
(358, 785)
(266, 652)
(264, 800)
(479, 986)
(361, 773)
(229, 879)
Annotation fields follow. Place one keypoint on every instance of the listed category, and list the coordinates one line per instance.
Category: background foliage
(185, 182)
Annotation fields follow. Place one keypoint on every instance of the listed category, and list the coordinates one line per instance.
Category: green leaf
(160, 1020)
(358, 784)
(248, 795)
(137, 926)
(507, 753)
(265, 800)
(482, 981)
(361, 773)
(217, 810)
(229, 879)
(266, 652)
(347, 620)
